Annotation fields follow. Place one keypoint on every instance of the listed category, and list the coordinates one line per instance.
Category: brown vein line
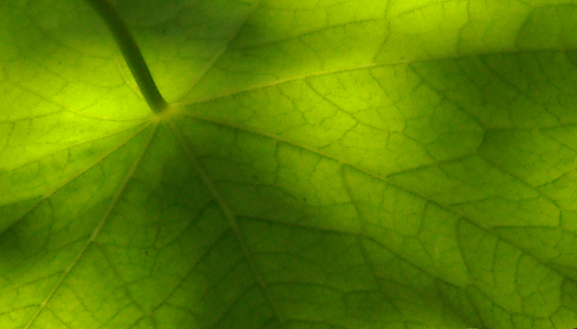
(231, 217)
(93, 236)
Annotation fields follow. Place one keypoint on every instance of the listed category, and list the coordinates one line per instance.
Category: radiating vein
(231, 217)
(94, 234)
(85, 142)
(372, 174)
(75, 175)
(367, 65)
(222, 49)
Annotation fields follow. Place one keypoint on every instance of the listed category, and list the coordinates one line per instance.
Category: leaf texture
(323, 165)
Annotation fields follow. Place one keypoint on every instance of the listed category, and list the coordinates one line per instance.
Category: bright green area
(402, 164)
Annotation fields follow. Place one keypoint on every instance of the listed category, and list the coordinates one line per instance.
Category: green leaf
(321, 165)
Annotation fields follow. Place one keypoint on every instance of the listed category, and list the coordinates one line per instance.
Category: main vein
(131, 53)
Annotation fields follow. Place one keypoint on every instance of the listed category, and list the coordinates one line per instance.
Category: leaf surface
(322, 165)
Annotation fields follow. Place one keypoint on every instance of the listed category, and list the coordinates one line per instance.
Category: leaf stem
(131, 53)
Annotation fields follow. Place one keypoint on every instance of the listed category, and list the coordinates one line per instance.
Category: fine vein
(131, 53)
(92, 238)
(231, 217)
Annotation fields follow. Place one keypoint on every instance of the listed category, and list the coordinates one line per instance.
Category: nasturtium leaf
(321, 165)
